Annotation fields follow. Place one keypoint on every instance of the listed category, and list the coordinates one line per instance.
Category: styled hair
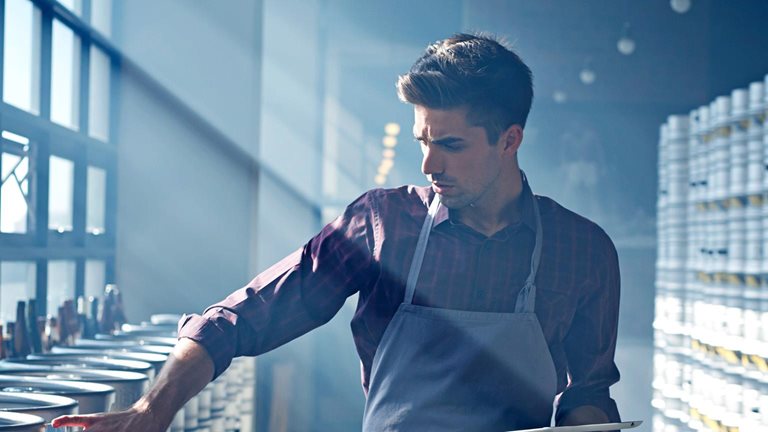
(474, 71)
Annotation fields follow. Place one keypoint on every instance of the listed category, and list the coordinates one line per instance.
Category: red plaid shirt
(368, 250)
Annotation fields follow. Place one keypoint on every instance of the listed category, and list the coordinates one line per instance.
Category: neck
(496, 209)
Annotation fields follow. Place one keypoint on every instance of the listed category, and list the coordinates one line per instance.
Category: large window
(57, 157)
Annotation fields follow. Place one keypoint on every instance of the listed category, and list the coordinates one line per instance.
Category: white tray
(601, 427)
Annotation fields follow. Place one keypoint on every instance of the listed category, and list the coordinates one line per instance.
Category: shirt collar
(526, 210)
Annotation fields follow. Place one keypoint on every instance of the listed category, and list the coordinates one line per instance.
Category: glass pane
(75, 6)
(101, 16)
(98, 95)
(65, 76)
(96, 204)
(60, 194)
(61, 284)
(14, 192)
(17, 282)
(95, 278)
(21, 55)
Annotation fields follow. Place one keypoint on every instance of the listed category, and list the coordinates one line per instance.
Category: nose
(431, 162)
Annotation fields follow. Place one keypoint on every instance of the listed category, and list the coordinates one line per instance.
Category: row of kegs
(711, 318)
(110, 373)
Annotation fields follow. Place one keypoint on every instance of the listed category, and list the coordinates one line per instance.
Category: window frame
(47, 138)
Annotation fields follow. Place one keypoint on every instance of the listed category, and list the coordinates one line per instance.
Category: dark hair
(476, 72)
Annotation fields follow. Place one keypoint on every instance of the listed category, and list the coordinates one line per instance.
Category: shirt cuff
(212, 333)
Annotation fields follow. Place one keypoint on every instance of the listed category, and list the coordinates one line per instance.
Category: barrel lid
(165, 319)
(147, 328)
(96, 376)
(26, 384)
(69, 353)
(140, 338)
(86, 363)
(11, 421)
(122, 345)
(20, 402)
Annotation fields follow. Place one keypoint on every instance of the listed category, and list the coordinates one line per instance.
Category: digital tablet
(597, 427)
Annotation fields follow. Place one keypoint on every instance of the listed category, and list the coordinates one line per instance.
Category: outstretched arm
(188, 370)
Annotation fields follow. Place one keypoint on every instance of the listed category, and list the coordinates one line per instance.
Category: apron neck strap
(526, 299)
(421, 248)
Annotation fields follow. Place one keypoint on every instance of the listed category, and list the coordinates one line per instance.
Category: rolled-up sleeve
(299, 293)
(590, 344)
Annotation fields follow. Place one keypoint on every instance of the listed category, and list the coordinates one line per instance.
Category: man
(479, 302)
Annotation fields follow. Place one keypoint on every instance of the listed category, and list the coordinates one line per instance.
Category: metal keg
(91, 397)
(17, 422)
(138, 338)
(149, 329)
(129, 386)
(46, 406)
(156, 360)
(165, 319)
(94, 344)
(90, 363)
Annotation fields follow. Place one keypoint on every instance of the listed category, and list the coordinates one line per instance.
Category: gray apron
(451, 370)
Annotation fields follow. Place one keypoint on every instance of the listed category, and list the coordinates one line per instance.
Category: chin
(454, 202)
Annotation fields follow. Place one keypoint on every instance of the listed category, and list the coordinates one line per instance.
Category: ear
(511, 139)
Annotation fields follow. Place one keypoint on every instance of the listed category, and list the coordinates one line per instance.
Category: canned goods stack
(711, 323)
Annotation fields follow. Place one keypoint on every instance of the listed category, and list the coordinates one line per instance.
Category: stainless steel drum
(165, 319)
(140, 338)
(149, 329)
(92, 363)
(46, 406)
(156, 360)
(91, 397)
(129, 386)
(93, 344)
(17, 422)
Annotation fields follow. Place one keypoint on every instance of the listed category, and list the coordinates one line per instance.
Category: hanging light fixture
(626, 45)
(680, 6)
(587, 75)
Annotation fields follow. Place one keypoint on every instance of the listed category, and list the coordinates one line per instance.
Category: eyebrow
(441, 141)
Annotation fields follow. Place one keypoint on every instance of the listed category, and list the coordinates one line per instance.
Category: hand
(582, 415)
(131, 420)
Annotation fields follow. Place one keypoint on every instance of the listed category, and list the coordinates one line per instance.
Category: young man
(479, 301)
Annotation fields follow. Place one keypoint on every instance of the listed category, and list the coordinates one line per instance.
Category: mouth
(441, 188)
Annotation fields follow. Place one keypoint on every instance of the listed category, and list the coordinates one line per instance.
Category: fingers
(75, 421)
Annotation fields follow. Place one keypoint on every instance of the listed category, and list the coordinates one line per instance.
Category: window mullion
(2, 46)
(46, 42)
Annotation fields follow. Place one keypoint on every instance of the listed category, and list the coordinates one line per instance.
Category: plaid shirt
(368, 250)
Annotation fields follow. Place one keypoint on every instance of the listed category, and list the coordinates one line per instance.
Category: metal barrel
(93, 344)
(46, 406)
(17, 422)
(156, 360)
(91, 397)
(91, 363)
(129, 386)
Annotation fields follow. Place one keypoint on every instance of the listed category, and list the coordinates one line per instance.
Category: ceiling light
(587, 76)
(626, 45)
(389, 141)
(392, 129)
(680, 6)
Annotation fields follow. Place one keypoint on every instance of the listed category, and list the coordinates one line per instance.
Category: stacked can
(711, 325)
(674, 266)
(764, 291)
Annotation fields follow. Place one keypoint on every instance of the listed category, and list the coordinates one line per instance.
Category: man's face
(458, 160)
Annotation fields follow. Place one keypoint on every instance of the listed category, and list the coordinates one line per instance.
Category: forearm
(188, 370)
